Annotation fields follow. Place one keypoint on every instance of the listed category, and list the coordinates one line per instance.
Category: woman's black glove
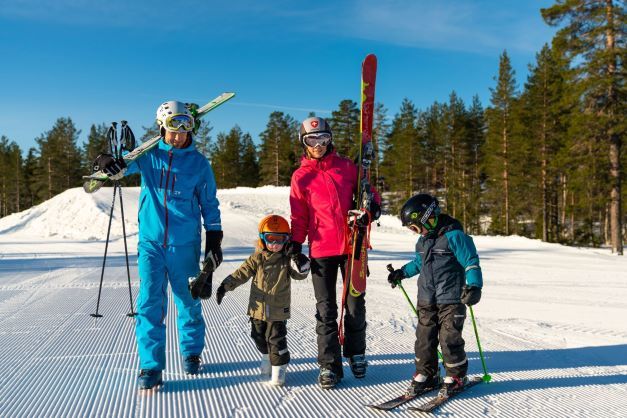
(213, 248)
(471, 295)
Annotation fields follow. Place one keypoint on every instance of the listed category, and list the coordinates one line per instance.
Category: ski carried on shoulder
(441, 399)
(95, 181)
(399, 400)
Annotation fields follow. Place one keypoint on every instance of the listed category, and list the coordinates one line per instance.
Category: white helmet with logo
(175, 117)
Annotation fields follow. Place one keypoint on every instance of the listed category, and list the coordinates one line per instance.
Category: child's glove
(221, 292)
(300, 263)
(395, 277)
(471, 295)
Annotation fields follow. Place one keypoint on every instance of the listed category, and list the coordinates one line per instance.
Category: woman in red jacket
(322, 193)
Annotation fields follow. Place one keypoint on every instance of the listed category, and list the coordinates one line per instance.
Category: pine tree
(544, 115)
(11, 177)
(380, 129)
(249, 163)
(202, 139)
(59, 160)
(401, 165)
(226, 158)
(96, 144)
(497, 148)
(277, 156)
(593, 34)
(476, 130)
(345, 126)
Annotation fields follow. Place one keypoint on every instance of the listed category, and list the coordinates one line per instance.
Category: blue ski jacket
(446, 260)
(177, 186)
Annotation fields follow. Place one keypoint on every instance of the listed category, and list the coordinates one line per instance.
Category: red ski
(359, 240)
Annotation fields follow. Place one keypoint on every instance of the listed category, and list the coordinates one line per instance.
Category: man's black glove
(220, 293)
(471, 295)
(200, 287)
(213, 248)
(112, 167)
(395, 277)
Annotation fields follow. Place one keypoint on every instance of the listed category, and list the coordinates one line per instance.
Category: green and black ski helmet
(418, 209)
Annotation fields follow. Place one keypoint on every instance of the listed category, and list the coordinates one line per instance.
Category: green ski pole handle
(486, 376)
(413, 308)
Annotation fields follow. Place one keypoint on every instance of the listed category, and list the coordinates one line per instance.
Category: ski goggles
(274, 237)
(318, 139)
(179, 123)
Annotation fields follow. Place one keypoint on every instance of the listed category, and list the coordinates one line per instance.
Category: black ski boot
(328, 379)
(452, 384)
(416, 388)
(358, 365)
(148, 379)
(191, 364)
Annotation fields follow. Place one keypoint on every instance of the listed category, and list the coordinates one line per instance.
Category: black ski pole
(104, 259)
(132, 313)
(127, 141)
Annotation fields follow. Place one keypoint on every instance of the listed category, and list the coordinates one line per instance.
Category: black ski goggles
(318, 139)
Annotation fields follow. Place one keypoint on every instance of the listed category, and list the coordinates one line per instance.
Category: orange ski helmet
(273, 228)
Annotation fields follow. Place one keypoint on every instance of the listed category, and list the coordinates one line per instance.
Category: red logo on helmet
(314, 123)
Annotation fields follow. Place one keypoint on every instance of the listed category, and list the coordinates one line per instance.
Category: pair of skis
(428, 406)
(359, 240)
(96, 180)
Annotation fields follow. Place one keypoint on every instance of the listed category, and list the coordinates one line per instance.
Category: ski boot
(278, 375)
(328, 379)
(148, 379)
(358, 365)
(452, 384)
(421, 383)
(264, 366)
(191, 364)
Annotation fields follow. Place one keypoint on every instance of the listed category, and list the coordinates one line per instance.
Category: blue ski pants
(157, 267)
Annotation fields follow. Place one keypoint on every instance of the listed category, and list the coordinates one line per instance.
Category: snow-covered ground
(552, 324)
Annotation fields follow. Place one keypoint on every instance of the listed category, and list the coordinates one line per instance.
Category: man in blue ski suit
(450, 278)
(178, 186)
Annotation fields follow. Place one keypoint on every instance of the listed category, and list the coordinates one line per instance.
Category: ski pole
(486, 376)
(128, 272)
(413, 308)
(104, 258)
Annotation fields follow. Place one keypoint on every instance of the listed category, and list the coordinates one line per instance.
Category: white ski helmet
(175, 117)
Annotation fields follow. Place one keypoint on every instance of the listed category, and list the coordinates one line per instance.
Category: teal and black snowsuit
(178, 187)
(446, 260)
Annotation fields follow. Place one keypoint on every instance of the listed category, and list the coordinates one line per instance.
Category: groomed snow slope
(552, 325)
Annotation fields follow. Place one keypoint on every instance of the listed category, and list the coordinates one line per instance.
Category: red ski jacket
(321, 195)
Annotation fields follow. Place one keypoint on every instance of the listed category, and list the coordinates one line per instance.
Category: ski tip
(370, 58)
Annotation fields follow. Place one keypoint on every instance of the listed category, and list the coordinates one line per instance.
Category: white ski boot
(278, 375)
(264, 366)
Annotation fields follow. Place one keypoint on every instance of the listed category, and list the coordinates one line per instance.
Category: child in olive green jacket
(272, 269)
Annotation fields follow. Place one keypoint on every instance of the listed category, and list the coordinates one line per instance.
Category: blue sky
(100, 61)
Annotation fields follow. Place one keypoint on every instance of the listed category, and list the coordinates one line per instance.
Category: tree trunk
(614, 137)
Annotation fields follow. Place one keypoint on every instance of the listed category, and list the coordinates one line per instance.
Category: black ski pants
(324, 277)
(443, 324)
(270, 337)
